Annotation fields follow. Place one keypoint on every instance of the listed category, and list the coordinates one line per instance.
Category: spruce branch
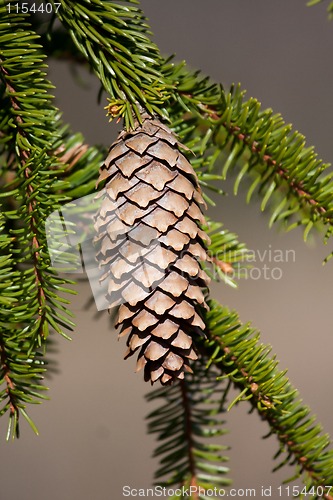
(20, 369)
(235, 349)
(114, 39)
(294, 184)
(33, 136)
(31, 188)
(188, 417)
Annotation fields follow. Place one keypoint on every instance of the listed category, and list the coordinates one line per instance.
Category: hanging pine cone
(149, 243)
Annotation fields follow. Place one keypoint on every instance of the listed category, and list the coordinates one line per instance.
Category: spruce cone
(149, 242)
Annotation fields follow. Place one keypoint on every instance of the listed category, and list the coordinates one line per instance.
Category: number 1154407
(24, 8)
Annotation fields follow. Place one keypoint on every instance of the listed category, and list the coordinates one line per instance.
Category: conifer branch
(284, 171)
(31, 131)
(190, 415)
(114, 39)
(45, 166)
(235, 349)
(297, 186)
(10, 388)
(188, 432)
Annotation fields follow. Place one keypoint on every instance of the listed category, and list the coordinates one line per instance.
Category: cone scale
(149, 244)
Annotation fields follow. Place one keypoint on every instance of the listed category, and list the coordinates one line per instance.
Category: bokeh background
(93, 438)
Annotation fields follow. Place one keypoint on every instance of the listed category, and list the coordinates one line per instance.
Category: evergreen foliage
(43, 165)
(189, 417)
(237, 351)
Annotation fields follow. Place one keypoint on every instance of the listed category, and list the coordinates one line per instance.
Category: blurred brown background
(93, 438)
